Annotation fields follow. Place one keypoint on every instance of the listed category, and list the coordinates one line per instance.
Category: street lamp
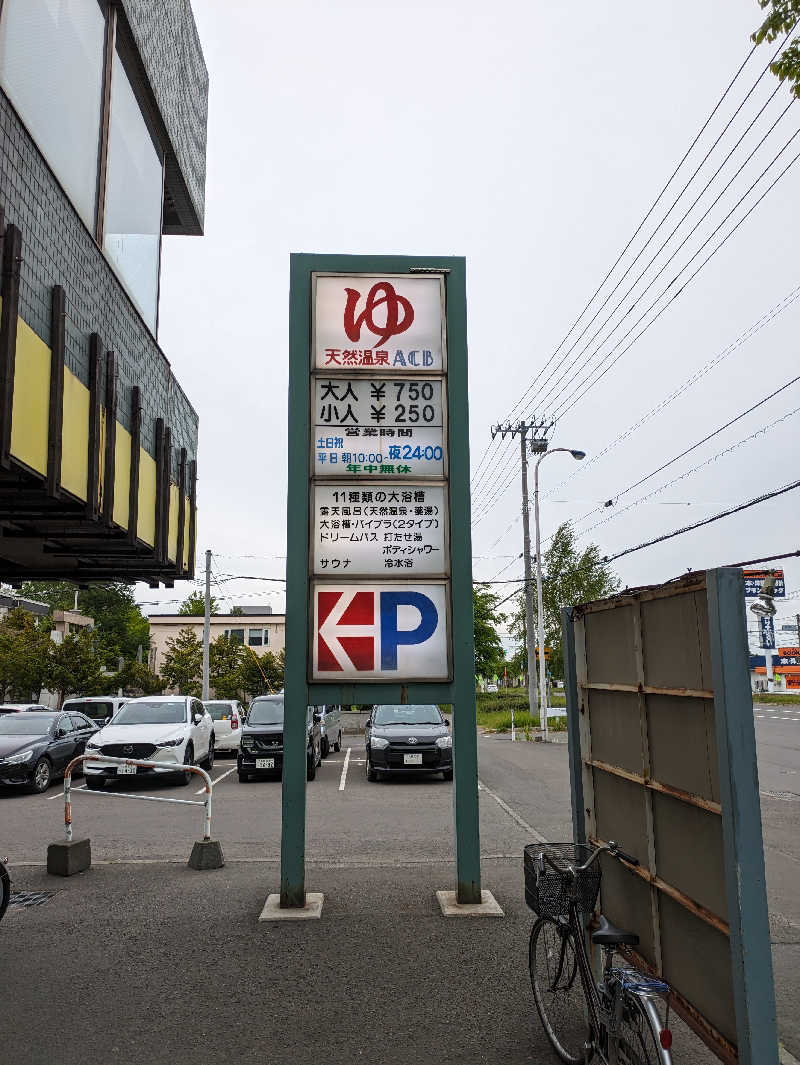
(578, 455)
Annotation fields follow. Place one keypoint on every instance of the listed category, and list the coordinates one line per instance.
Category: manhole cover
(29, 898)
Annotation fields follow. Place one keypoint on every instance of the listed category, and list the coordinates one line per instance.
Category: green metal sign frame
(299, 693)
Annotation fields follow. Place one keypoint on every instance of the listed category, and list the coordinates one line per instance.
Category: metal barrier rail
(107, 759)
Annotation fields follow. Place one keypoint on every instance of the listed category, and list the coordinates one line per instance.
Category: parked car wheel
(243, 777)
(311, 765)
(338, 745)
(188, 759)
(372, 774)
(210, 756)
(447, 774)
(95, 783)
(325, 746)
(42, 776)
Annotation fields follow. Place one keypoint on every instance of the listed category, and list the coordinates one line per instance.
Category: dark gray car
(36, 747)
(413, 738)
(261, 749)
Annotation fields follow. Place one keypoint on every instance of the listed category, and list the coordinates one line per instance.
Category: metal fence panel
(663, 760)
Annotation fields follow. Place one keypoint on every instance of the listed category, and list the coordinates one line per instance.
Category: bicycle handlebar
(612, 849)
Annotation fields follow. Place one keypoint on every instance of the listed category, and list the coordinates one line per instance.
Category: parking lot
(350, 820)
(180, 962)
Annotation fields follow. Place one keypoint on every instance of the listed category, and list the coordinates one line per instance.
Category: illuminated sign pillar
(379, 557)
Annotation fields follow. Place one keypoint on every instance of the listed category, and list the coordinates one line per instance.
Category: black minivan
(261, 749)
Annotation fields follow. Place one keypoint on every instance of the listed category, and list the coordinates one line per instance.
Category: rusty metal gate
(663, 760)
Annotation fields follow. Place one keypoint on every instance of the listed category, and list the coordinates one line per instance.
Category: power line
(707, 521)
(549, 396)
(621, 255)
(591, 383)
(686, 213)
(511, 596)
(630, 266)
(766, 319)
(712, 363)
(487, 504)
(769, 558)
(694, 446)
(688, 473)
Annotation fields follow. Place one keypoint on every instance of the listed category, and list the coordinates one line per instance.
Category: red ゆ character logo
(399, 314)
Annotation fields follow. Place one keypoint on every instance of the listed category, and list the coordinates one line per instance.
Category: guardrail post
(75, 856)
(71, 856)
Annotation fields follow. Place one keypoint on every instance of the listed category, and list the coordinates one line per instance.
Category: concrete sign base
(311, 911)
(487, 907)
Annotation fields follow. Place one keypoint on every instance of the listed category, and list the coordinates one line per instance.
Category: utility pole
(578, 456)
(207, 626)
(537, 443)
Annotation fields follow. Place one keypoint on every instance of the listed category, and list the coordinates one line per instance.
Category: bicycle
(5, 887)
(613, 1021)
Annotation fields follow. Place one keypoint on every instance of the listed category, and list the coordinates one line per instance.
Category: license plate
(412, 759)
(126, 770)
(265, 763)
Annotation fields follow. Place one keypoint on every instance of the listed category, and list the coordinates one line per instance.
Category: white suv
(158, 728)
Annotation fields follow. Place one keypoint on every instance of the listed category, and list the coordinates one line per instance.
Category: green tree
(261, 674)
(135, 679)
(120, 624)
(24, 649)
(194, 605)
(225, 659)
(489, 653)
(183, 663)
(59, 595)
(782, 16)
(237, 612)
(75, 666)
(570, 576)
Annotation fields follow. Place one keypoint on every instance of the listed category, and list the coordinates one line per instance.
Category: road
(381, 977)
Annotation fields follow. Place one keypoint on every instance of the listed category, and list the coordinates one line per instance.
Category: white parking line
(226, 774)
(511, 813)
(343, 779)
(60, 793)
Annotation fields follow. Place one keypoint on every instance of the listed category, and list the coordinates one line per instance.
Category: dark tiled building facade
(97, 439)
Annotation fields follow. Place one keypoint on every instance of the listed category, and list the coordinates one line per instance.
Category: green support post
(465, 737)
(293, 822)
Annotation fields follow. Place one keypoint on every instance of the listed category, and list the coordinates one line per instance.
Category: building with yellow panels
(103, 111)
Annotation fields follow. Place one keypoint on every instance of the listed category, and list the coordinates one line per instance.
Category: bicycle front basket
(548, 891)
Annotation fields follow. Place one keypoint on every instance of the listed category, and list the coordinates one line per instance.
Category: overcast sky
(532, 139)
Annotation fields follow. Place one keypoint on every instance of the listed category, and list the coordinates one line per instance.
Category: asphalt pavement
(142, 959)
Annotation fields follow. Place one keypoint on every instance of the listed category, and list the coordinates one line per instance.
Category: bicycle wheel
(557, 988)
(637, 1043)
(5, 891)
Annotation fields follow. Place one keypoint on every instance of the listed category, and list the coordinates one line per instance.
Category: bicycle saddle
(609, 936)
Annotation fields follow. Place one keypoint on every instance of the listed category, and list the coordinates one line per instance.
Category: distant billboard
(754, 581)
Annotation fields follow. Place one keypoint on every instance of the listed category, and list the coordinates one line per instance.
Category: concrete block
(487, 907)
(206, 854)
(311, 911)
(67, 859)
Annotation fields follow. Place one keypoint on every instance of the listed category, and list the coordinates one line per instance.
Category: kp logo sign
(380, 632)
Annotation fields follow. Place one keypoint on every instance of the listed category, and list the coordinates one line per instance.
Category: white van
(100, 708)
